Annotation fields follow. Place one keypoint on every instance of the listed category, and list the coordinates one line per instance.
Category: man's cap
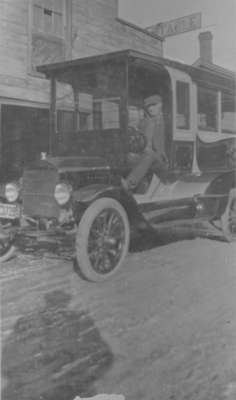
(155, 99)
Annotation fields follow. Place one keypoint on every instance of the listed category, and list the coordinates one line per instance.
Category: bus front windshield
(89, 109)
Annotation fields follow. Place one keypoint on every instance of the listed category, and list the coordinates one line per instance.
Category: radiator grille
(38, 193)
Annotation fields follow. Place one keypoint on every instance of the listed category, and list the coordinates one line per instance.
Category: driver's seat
(153, 185)
(150, 192)
(157, 189)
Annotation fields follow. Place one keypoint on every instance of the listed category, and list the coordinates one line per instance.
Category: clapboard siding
(95, 29)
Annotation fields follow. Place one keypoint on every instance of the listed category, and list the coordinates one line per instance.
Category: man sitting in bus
(153, 128)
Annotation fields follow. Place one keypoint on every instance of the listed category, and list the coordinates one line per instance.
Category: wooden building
(34, 32)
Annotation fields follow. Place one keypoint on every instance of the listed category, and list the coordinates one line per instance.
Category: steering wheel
(137, 140)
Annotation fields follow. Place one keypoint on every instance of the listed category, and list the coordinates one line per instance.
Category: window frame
(188, 119)
(42, 32)
(218, 110)
(219, 130)
(223, 130)
(65, 41)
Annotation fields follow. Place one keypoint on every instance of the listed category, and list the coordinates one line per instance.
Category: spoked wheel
(228, 219)
(7, 250)
(102, 240)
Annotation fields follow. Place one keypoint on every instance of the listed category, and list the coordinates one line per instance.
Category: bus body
(96, 115)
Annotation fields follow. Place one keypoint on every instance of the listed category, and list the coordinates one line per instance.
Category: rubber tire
(83, 233)
(225, 218)
(9, 254)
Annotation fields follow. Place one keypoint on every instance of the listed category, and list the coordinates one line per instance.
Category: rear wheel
(228, 219)
(102, 240)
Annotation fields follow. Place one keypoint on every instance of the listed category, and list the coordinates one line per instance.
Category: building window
(228, 114)
(49, 17)
(183, 105)
(207, 109)
(50, 22)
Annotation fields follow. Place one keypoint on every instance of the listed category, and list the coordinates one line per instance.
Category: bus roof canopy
(67, 70)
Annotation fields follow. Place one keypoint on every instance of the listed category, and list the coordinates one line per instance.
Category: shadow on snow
(54, 353)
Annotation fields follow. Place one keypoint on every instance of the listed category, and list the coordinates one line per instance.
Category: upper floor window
(49, 17)
(50, 23)
(207, 109)
(228, 113)
(183, 105)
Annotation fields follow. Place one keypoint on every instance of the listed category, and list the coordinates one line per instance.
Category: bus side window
(183, 105)
(207, 109)
(228, 114)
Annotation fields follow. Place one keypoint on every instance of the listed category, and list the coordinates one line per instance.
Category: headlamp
(12, 191)
(62, 193)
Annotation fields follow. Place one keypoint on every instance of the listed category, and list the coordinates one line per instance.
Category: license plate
(9, 211)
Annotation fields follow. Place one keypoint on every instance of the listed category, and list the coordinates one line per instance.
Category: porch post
(124, 116)
(53, 116)
(76, 109)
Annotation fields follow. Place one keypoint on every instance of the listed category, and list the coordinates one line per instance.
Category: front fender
(222, 183)
(88, 194)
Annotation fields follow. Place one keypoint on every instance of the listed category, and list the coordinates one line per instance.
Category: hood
(63, 164)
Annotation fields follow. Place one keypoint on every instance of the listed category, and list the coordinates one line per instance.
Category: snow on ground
(163, 328)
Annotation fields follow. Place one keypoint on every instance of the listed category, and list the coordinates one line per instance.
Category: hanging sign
(177, 26)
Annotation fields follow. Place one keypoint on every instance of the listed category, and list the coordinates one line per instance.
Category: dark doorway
(25, 133)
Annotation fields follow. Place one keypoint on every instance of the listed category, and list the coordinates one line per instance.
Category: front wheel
(228, 219)
(102, 240)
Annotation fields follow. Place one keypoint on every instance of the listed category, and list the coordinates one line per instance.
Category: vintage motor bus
(97, 106)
